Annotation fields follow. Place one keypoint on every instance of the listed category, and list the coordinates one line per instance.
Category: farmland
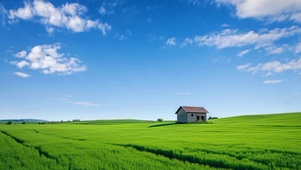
(244, 142)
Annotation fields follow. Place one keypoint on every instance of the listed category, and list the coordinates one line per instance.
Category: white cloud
(104, 28)
(3, 14)
(186, 42)
(298, 48)
(50, 30)
(242, 53)
(120, 37)
(23, 13)
(195, 2)
(21, 64)
(69, 16)
(272, 67)
(20, 74)
(68, 100)
(85, 103)
(110, 6)
(102, 10)
(171, 41)
(272, 81)
(21, 54)
(225, 25)
(152, 38)
(262, 39)
(47, 59)
(272, 10)
(243, 67)
(186, 93)
(276, 50)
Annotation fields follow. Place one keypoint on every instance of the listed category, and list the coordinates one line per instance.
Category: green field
(244, 142)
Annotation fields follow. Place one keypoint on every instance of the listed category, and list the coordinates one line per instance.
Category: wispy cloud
(242, 53)
(186, 42)
(195, 2)
(120, 37)
(85, 103)
(82, 103)
(272, 81)
(298, 48)
(23, 75)
(243, 67)
(263, 39)
(171, 41)
(225, 25)
(69, 16)
(3, 14)
(109, 7)
(152, 38)
(47, 59)
(185, 93)
(269, 10)
(271, 67)
(102, 10)
(234, 38)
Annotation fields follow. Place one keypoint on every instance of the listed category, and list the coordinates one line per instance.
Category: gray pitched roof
(192, 109)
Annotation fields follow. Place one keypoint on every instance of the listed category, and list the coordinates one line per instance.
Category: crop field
(244, 142)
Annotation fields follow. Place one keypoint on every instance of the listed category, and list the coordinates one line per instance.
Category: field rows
(234, 143)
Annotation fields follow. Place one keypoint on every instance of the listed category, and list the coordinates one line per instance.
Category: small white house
(191, 114)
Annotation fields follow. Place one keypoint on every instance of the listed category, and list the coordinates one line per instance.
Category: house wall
(182, 116)
(192, 117)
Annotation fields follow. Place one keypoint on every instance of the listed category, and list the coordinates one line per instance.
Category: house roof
(192, 109)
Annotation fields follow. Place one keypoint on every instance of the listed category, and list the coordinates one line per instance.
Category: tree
(9, 122)
(159, 119)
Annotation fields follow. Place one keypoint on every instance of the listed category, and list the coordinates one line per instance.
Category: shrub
(212, 118)
(159, 119)
(9, 122)
(23, 122)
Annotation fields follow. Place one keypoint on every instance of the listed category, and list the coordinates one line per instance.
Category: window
(192, 115)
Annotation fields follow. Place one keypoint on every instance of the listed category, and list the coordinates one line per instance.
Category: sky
(130, 59)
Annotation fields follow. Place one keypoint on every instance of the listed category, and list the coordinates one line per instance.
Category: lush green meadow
(243, 142)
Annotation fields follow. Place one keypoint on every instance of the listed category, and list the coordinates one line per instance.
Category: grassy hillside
(243, 142)
(111, 122)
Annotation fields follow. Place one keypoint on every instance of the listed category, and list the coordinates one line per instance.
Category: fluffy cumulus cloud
(48, 60)
(69, 16)
(271, 67)
(272, 10)
(20, 74)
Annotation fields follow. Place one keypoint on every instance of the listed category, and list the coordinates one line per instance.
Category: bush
(212, 118)
(9, 122)
(159, 119)
(23, 122)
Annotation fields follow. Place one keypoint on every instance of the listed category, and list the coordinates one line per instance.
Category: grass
(243, 142)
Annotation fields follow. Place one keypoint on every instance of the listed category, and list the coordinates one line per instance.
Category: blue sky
(114, 59)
